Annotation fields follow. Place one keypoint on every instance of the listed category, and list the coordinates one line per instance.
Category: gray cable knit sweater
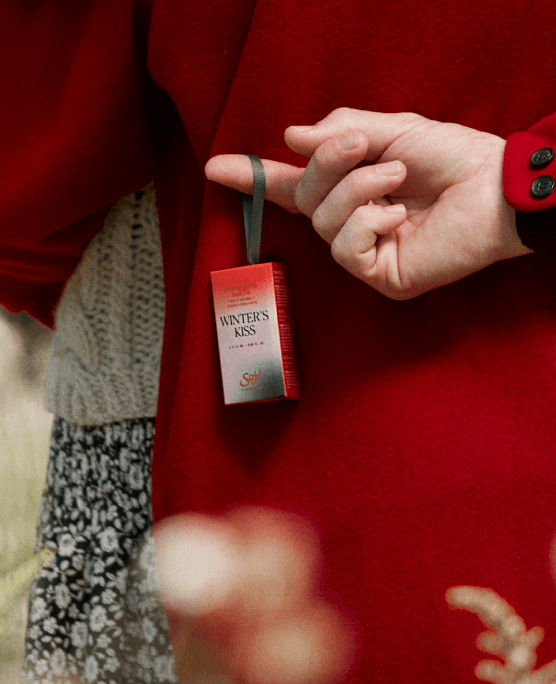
(105, 355)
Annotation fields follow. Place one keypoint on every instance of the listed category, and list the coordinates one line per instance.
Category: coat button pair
(544, 185)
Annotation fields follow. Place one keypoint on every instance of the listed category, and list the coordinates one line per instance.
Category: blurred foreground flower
(507, 638)
(241, 591)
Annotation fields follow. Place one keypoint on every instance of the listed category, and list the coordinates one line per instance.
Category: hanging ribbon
(253, 211)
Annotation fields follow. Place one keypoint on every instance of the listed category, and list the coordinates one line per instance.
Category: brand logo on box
(250, 379)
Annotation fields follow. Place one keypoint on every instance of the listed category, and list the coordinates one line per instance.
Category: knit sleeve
(73, 137)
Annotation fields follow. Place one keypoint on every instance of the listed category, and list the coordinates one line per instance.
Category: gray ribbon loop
(253, 211)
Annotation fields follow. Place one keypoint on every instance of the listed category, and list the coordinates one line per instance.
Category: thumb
(235, 171)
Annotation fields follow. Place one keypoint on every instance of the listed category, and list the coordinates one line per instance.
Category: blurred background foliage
(24, 440)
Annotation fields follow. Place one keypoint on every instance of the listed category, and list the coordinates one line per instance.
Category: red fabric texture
(519, 173)
(423, 446)
(73, 138)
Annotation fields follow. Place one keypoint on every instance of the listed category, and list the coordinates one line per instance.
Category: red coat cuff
(519, 173)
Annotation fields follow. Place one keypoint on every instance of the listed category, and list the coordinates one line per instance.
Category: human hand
(429, 210)
(507, 638)
(240, 591)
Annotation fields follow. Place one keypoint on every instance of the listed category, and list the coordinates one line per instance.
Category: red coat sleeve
(73, 137)
(519, 173)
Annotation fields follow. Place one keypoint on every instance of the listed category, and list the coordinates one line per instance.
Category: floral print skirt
(95, 613)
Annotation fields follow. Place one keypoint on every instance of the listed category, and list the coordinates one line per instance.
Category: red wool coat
(423, 446)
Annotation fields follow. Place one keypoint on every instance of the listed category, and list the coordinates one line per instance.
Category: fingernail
(301, 129)
(395, 208)
(389, 169)
(348, 141)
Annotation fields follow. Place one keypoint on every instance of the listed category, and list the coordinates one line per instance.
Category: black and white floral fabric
(95, 611)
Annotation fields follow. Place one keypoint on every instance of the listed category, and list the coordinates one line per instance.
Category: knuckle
(409, 121)
(341, 113)
(409, 117)
(389, 290)
(328, 159)
(339, 253)
(399, 295)
(356, 182)
(322, 157)
(320, 224)
(301, 202)
(400, 292)
(362, 213)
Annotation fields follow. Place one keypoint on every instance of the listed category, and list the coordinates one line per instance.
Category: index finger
(294, 189)
(235, 171)
(381, 129)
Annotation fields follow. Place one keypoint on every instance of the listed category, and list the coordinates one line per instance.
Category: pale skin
(428, 209)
